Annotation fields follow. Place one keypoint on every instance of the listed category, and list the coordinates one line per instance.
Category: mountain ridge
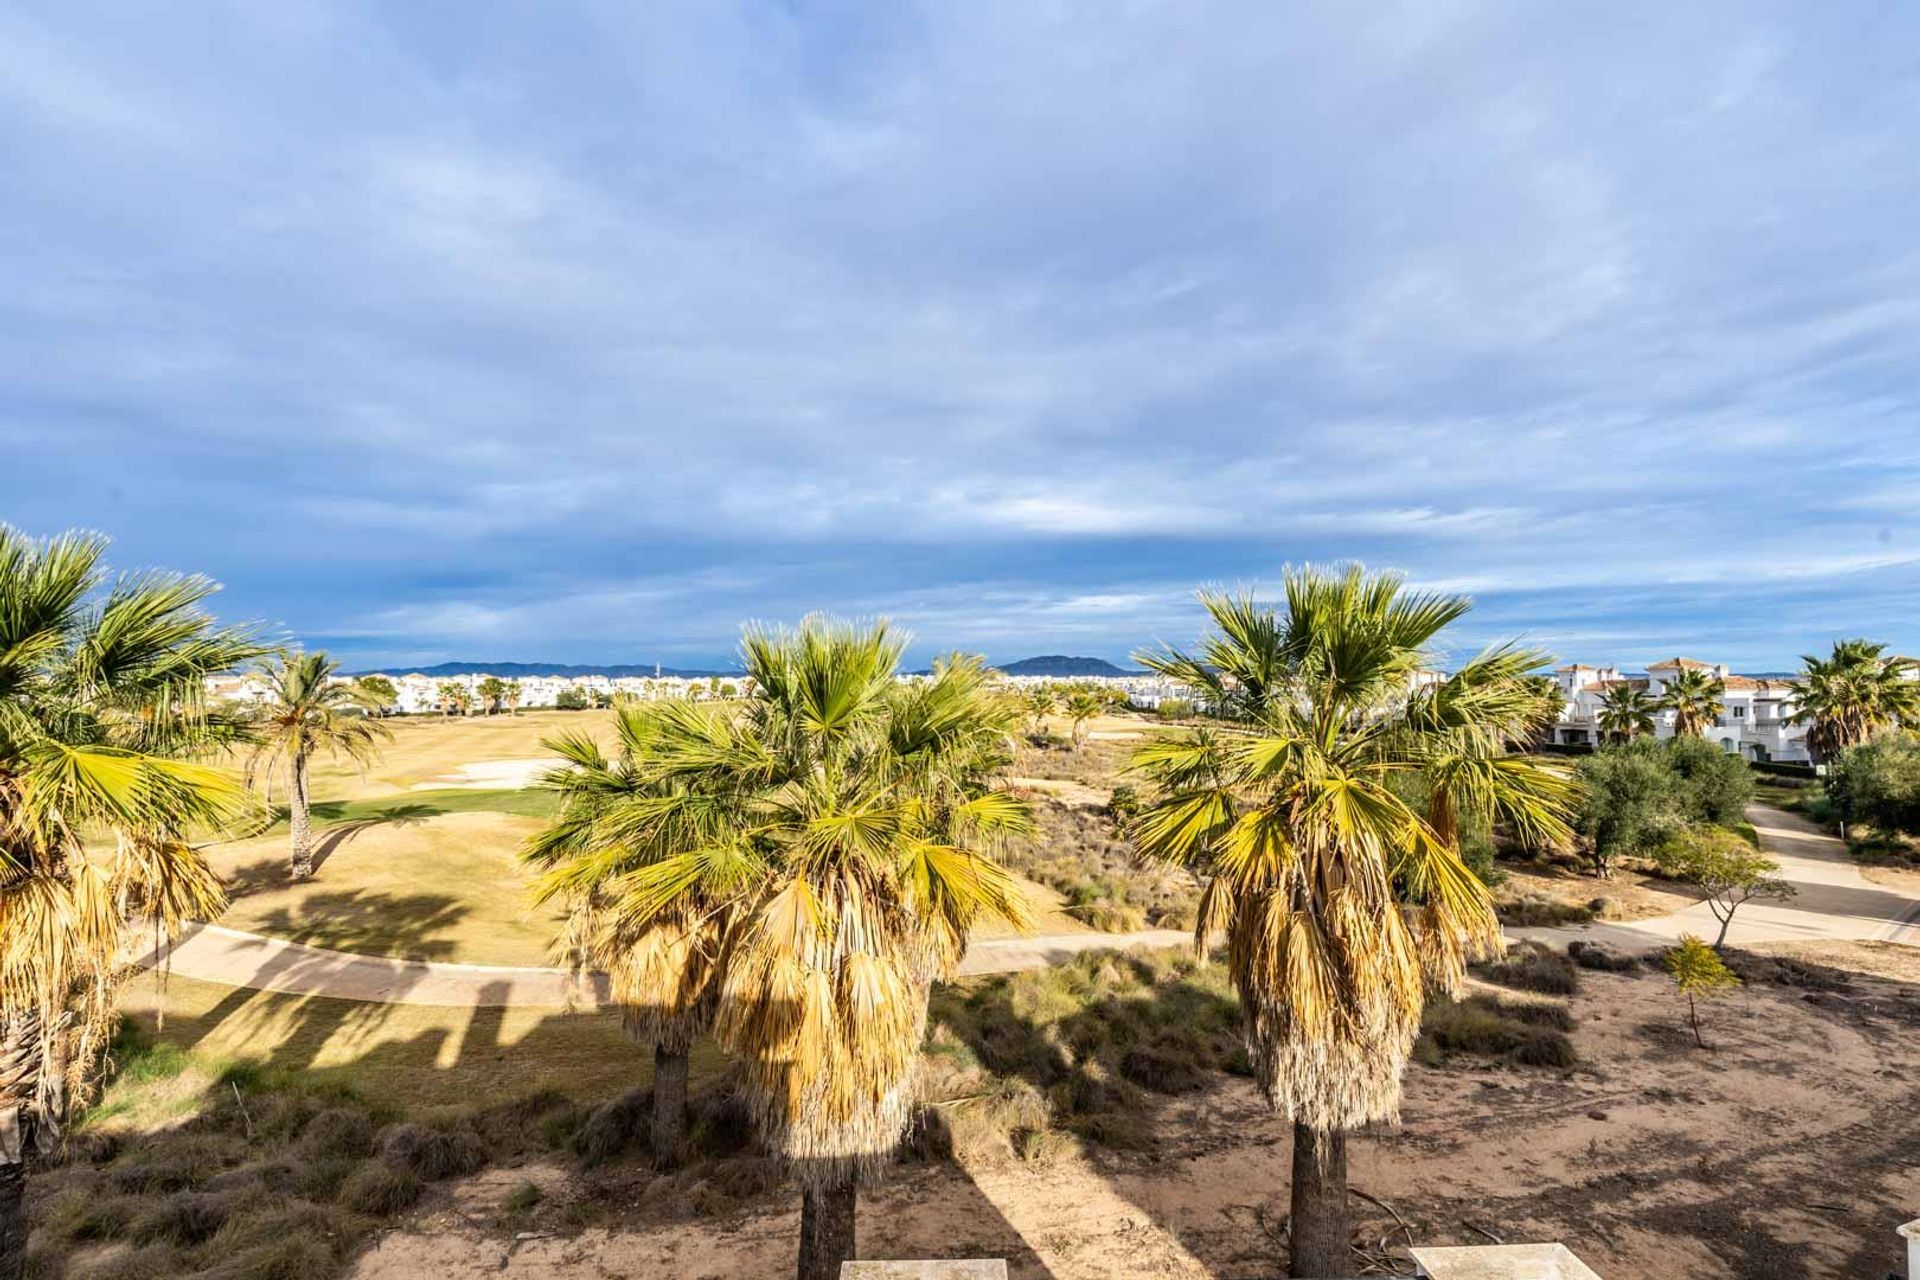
(1055, 665)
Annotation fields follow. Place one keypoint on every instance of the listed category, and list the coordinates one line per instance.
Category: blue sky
(584, 332)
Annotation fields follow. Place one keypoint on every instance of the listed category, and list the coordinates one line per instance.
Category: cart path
(1833, 901)
(214, 953)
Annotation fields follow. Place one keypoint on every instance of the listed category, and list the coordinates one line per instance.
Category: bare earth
(1654, 1160)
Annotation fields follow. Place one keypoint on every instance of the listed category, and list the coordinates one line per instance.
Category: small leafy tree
(1727, 869)
(1700, 974)
(572, 698)
(1878, 784)
(1628, 805)
(378, 692)
(1714, 785)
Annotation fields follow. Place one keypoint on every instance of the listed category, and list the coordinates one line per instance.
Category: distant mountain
(517, 669)
(1059, 666)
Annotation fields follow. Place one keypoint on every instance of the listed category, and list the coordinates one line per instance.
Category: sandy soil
(1652, 1159)
(1905, 879)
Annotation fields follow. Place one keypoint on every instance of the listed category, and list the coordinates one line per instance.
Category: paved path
(1833, 902)
(214, 953)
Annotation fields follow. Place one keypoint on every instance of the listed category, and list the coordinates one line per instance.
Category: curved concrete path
(214, 953)
(1833, 901)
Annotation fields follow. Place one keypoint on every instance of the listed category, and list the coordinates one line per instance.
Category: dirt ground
(1635, 895)
(1784, 1150)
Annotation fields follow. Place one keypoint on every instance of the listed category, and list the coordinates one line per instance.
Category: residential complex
(1755, 719)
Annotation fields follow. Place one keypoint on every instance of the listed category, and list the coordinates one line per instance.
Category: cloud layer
(585, 332)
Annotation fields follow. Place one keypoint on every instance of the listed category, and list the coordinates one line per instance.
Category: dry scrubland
(1086, 1121)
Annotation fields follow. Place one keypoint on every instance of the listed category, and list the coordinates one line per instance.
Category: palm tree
(1626, 712)
(1082, 706)
(513, 695)
(101, 695)
(310, 713)
(1693, 695)
(843, 822)
(1340, 904)
(454, 697)
(616, 818)
(1038, 702)
(1852, 694)
(493, 694)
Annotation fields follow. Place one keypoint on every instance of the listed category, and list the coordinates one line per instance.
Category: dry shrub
(1532, 909)
(1014, 1063)
(337, 1133)
(614, 1128)
(1534, 966)
(432, 1154)
(1531, 1034)
(175, 1161)
(153, 1261)
(1591, 955)
(379, 1189)
(84, 1213)
(187, 1217)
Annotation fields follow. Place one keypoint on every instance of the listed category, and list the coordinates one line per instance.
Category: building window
(1739, 712)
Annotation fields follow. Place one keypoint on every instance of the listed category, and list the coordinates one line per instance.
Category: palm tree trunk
(19, 1072)
(13, 1197)
(301, 820)
(826, 1229)
(669, 1103)
(1319, 1230)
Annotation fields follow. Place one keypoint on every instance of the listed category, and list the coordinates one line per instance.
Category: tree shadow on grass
(276, 873)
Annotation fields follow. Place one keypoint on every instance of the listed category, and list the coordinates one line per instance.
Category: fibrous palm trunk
(826, 1228)
(19, 1075)
(300, 819)
(1319, 1230)
(669, 1103)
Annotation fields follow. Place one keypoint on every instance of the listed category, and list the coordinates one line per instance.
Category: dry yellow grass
(446, 887)
(407, 1056)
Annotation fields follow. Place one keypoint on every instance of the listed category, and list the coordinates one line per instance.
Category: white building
(1753, 722)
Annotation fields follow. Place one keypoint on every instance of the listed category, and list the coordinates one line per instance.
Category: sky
(585, 332)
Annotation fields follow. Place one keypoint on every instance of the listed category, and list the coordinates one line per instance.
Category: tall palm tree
(453, 697)
(1341, 905)
(1626, 712)
(1693, 695)
(1851, 694)
(101, 686)
(311, 713)
(847, 821)
(618, 815)
(513, 695)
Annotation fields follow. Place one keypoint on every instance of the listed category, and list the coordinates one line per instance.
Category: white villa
(1754, 722)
